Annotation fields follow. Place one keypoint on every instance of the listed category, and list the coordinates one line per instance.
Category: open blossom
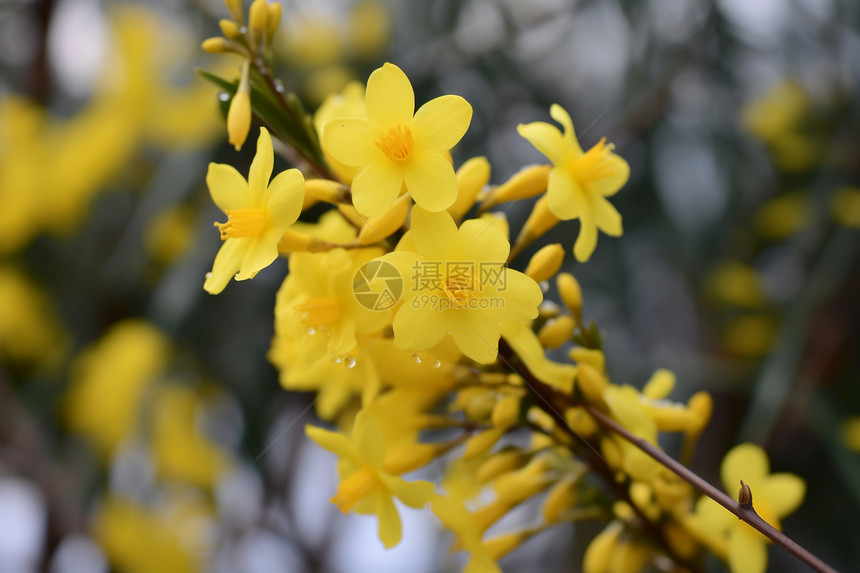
(579, 182)
(366, 487)
(391, 147)
(457, 283)
(258, 213)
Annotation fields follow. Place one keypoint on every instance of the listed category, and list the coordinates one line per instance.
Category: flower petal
(560, 114)
(607, 218)
(782, 493)
(261, 168)
(586, 242)
(476, 334)
(483, 240)
(746, 462)
(228, 188)
(227, 263)
(332, 441)
(521, 297)
(390, 99)
(713, 517)
(376, 187)
(747, 551)
(284, 197)
(434, 234)
(418, 327)
(389, 529)
(609, 185)
(440, 123)
(369, 439)
(350, 141)
(545, 137)
(431, 180)
(261, 252)
(415, 494)
(564, 195)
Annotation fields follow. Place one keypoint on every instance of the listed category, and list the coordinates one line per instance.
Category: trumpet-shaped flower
(258, 213)
(579, 182)
(391, 147)
(774, 496)
(456, 282)
(365, 486)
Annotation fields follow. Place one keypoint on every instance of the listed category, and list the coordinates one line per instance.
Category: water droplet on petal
(349, 361)
(437, 363)
(311, 331)
(223, 96)
(544, 286)
(208, 275)
(336, 359)
(416, 358)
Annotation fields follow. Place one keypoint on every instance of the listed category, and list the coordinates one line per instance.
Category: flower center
(396, 143)
(242, 223)
(459, 289)
(593, 164)
(355, 488)
(319, 311)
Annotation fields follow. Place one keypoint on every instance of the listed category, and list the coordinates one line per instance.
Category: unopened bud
(322, 190)
(235, 9)
(601, 548)
(239, 114)
(294, 242)
(702, 404)
(591, 356)
(546, 262)
(352, 215)
(472, 176)
(660, 385)
(529, 181)
(571, 294)
(230, 29)
(560, 498)
(506, 411)
(539, 222)
(556, 332)
(258, 17)
(275, 11)
(215, 45)
(380, 227)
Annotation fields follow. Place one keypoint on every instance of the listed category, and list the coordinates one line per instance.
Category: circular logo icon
(377, 285)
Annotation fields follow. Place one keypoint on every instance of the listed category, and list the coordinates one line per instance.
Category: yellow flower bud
(483, 442)
(556, 332)
(215, 45)
(258, 18)
(611, 452)
(642, 495)
(560, 498)
(505, 461)
(500, 545)
(382, 226)
(472, 176)
(539, 222)
(512, 488)
(591, 356)
(592, 383)
(580, 421)
(546, 262)
(275, 11)
(571, 294)
(350, 214)
(506, 411)
(235, 9)
(703, 405)
(317, 190)
(230, 29)
(239, 114)
(529, 181)
(596, 558)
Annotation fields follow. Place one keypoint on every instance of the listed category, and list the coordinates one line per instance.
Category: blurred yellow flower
(258, 213)
(365, 486)
(579, 181)
(774, 497)
(392, 148)
(29, 329)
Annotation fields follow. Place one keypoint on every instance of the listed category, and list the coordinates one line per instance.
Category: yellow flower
(365, 486)
(774, 497)
(258, 213)
(579, 182)
(393, 148)
(456, 283)
(319, 292)
(348, 103)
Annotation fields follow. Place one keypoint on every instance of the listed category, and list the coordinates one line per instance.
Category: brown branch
(743, 512)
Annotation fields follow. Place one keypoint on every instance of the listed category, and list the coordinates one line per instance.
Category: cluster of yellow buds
(403, 313)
